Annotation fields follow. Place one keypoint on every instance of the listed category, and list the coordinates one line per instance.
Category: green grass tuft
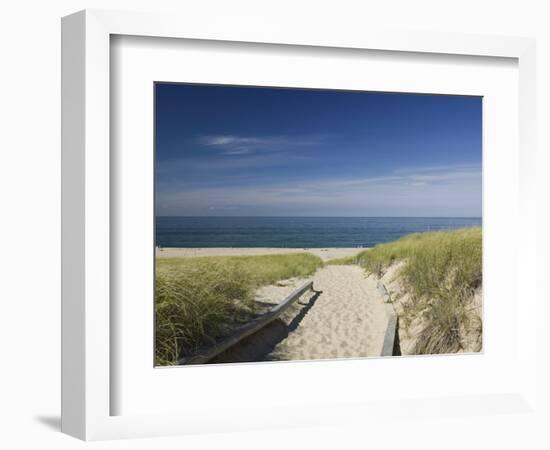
(197, 300)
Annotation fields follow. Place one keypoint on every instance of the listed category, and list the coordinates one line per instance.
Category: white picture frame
(86, 198)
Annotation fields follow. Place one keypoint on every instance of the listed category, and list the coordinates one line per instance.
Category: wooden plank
(391, 331)
(248, 329)
(389, 338)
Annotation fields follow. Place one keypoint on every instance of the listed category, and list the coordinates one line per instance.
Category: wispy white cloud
(242, 145)
(236, 145)
(437, 192)
(435, 168)
(420, 177)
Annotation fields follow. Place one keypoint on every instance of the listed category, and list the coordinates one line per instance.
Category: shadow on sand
(258, 346)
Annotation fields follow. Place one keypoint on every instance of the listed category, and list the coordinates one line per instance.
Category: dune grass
(441, 272)
(197, 300)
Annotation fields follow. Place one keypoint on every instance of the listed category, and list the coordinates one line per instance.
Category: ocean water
(297, 232)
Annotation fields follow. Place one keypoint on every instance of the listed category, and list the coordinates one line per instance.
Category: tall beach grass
(198, 300)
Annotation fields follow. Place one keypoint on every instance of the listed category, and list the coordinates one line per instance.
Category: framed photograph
(292, 213)
(297, 224)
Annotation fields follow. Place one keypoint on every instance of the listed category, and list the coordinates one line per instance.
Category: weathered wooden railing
(246, 330)
(391, 338)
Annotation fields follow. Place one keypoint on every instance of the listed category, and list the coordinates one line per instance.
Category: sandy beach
(346, 314)
(324, 253)
(345, 317)
(347, 320)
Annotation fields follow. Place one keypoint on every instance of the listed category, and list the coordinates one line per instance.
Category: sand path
(347, 320)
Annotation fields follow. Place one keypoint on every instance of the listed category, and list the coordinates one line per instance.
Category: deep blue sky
(246, 151)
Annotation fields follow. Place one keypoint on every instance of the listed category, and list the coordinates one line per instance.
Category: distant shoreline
(324, 253)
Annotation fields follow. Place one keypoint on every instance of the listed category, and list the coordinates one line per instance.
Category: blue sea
(296, 232)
